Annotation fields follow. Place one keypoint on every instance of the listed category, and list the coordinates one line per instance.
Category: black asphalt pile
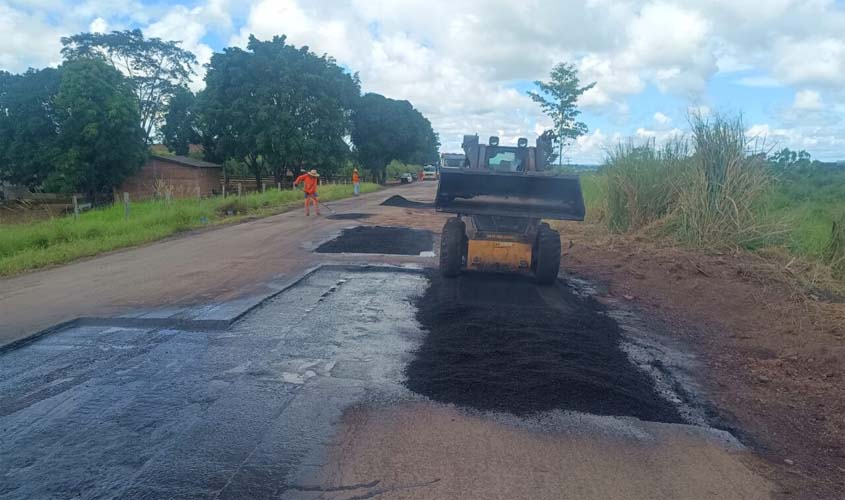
(382, 240)
(503, 343)
(401, 201)
(350, 216)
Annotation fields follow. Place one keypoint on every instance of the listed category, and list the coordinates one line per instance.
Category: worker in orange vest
(309, 181)
(356, 182)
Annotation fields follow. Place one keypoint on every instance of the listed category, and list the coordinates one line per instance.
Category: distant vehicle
(430, 173)
(452, 160)
(406, 178)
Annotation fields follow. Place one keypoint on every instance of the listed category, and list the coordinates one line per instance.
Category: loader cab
(499, 158)
(505, 159)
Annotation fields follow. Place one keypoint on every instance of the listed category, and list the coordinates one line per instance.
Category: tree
(277, 107)
(180, 127)
(558, 98)
(99, 139)
(787, 158)
(386, 129)
(158, 69)
(28, 127)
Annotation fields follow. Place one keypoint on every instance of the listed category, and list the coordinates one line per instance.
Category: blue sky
(468, 64)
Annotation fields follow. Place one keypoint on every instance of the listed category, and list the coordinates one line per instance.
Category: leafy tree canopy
(386, 129)
(787, 158)
(156, 68)
(28, 126)
(277, 107)
(99, 140)
(558, 98)
(180, 123)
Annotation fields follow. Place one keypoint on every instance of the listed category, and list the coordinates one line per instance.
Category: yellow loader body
(499, 256)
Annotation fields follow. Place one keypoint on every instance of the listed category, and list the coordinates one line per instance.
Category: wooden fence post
(224, 190)
(199, 194)
(279, 185)
(240, 189)
(126, 205)
(263, 187)
(75, 207)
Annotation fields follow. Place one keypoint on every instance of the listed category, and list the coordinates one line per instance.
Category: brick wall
(182, 179)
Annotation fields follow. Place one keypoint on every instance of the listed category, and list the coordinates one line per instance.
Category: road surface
(200, 267)
(302, 398)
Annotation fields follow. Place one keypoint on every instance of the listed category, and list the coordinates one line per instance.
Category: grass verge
(30, 246)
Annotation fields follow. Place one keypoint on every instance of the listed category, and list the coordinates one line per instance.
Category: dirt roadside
(775, 359)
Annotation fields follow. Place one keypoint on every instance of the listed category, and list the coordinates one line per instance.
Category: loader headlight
(494, 141)
(522, 142)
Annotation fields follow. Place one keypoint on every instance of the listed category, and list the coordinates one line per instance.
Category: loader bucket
(515, 194)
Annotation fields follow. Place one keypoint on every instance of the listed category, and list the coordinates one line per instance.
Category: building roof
(186, 161)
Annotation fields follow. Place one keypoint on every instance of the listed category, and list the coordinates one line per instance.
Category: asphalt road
(303, 397)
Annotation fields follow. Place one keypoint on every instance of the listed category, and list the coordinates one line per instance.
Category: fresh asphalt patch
(402, 202)
(349, 216)
(380, 240)
(503, 343)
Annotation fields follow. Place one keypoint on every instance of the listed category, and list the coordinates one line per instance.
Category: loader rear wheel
(452, 243)
(548, 255)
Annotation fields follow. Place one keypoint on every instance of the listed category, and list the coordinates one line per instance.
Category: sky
(468, 64)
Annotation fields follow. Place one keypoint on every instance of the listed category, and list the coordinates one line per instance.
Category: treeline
(272, 107)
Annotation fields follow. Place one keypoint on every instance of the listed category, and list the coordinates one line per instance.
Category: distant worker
(421, 175)
(356, 182)
(309, 181)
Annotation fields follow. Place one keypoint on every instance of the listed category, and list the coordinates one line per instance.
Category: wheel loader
(499, 197)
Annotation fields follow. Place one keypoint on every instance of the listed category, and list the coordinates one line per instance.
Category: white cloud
(661, 118)
(759, 81)
(808, 100)
(816, 61)
(29, 39)
(98, 25)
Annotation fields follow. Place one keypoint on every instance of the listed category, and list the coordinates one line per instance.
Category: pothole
(380, 240)
(503, 343)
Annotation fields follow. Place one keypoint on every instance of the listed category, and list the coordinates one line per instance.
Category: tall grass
(639, 186)
(715, 189)
(704, 190)
(718, 201)
(30, 246)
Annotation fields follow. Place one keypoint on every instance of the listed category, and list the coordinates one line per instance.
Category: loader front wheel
(548, 255)
(452, 242)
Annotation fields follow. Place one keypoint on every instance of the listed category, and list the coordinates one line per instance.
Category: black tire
(452, 242)
(548, 255)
